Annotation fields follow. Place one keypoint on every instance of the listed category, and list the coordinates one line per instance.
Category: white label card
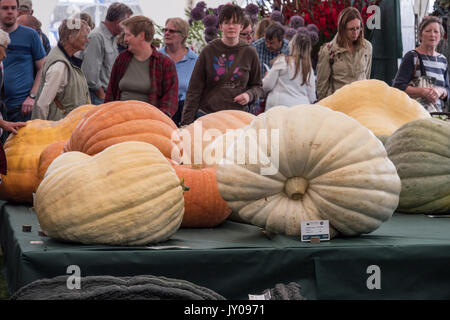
(315, 230)
(265, 296)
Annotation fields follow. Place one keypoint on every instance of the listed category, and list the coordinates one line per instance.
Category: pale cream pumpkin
(379, 107)
(128, 194)
(324, 166)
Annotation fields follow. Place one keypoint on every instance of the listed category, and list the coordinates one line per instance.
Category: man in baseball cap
(25, 7)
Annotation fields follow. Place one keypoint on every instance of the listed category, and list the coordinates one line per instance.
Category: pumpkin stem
(296, 187)
(185, 187)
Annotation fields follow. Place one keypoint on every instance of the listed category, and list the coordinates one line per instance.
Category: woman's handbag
(423, 81)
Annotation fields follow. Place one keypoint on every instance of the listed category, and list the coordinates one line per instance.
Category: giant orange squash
(122, 121)
(203, 131)
(203, 205)
(24, 149)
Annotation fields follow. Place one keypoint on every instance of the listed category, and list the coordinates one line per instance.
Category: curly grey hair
(70, 28)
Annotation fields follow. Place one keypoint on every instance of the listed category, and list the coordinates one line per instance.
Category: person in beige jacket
(347, 58)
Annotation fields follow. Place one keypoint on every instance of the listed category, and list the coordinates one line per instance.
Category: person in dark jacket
(227, 73)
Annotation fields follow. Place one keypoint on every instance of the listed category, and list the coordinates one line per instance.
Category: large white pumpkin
(128, 194)
(324, 166)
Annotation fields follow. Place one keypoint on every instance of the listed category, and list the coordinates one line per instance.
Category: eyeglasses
(246, 34)
(353, 29)
(170, 30)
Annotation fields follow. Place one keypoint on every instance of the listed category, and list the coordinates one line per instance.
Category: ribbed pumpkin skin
(128, 194)
(330, 168)
(204, 207)
(377, 106)
(24, 149)
(50, 153)
(121, 121)
(216, 124)
(420, 150)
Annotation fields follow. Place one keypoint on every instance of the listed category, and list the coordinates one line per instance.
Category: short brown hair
(138, 24)
(70, 28)
(118, 11)
(428, 20)
(347, 15)
(180, 25)
(231, 12)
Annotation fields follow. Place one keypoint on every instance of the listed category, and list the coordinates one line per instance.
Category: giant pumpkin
(24, 149)
(204, 207)
(379, 107)
(420, 150)
(121, 121)
(197, 136)
(128, 194)
(312, 164)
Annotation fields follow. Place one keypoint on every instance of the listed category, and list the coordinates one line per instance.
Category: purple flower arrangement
(297, 24)
(208, 19)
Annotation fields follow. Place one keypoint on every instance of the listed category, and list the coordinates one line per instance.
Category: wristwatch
(32, 96)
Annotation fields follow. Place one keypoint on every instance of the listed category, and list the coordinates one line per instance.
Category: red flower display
(323, 13)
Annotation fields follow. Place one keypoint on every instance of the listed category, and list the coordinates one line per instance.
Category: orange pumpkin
(122, 121)
(203, 205)
(24, 149)
(50, 153)
(214, 125)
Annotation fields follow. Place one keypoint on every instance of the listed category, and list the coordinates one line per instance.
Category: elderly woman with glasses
(175, 34)
(141, 72)
(347, 58)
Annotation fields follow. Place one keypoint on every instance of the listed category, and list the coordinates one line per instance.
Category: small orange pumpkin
(203, 205)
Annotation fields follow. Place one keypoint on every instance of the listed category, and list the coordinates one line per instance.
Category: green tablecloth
(411, 251)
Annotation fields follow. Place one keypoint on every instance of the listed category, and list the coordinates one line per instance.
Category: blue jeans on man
(94, 99)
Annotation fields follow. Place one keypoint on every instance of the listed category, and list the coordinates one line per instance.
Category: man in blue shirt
(269, 47)
(22, 65)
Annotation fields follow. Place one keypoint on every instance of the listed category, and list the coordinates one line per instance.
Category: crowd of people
(250, 67)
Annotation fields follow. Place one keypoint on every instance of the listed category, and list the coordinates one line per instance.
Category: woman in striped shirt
(431, 32)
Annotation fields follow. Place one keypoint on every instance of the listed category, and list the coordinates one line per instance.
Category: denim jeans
(94, 99)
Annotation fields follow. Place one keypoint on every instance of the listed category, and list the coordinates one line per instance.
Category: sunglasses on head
(170, 30)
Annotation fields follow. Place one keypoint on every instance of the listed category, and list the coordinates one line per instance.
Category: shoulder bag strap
(331, 53)
(422, 67)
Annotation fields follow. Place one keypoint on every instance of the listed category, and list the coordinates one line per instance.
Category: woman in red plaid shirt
(141, 72)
